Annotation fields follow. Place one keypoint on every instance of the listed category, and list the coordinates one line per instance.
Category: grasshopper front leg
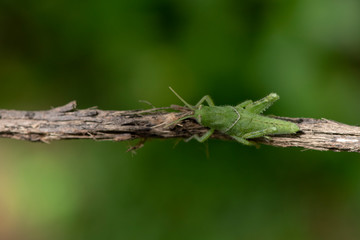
(203, 138)
(206, 98)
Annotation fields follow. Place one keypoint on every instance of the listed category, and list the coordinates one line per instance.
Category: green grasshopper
(241, 122)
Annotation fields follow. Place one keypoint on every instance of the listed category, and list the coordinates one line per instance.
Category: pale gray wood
(66, 122)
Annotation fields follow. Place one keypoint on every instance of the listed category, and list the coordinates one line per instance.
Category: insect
(242, 122)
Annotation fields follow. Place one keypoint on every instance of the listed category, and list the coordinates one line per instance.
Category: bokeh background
(111, 54)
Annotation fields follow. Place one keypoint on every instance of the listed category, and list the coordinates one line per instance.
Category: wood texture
(66, 122)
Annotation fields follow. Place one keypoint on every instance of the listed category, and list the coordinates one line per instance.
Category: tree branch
(66, 122)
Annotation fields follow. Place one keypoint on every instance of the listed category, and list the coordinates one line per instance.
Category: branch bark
(66, 122)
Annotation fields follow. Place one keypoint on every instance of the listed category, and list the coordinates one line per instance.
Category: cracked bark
(66, 122)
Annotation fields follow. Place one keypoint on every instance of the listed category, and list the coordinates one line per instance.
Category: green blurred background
(111, 54)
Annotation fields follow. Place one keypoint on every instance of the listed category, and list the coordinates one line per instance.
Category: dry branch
(68, 123)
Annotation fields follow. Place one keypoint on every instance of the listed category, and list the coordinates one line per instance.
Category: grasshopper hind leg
(255, 134)
(260, 133)
(244, 104)
(262, 104)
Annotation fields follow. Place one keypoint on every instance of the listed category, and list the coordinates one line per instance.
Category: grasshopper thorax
(218, 117)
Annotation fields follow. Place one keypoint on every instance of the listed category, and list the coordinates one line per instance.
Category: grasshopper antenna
(181, 99)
